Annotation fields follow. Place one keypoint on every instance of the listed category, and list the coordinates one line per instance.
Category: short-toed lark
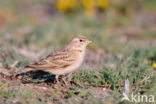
(64, 60)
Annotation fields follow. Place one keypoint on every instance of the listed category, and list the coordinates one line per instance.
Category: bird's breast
(78, 61)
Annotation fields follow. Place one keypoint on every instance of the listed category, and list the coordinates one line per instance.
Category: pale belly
(68, 69)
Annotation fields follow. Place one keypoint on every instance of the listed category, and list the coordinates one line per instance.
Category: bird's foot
(65, 82)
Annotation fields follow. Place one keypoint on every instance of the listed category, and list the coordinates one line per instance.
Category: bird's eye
(81, 40)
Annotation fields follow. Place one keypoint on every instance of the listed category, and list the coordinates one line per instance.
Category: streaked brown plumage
(64, 60)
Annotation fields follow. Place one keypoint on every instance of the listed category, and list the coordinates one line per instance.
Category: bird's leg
(57, 81)
(70, 80)
(64, 81)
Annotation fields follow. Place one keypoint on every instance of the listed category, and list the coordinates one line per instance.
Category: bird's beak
(90, 41)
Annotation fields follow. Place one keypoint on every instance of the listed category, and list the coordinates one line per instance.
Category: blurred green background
(115, 25)
(124, 34)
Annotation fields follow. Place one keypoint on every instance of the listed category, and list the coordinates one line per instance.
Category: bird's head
(79, 42)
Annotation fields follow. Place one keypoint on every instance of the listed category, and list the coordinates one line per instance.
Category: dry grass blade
(126, 87)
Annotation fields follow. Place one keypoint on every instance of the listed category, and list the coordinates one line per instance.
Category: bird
(64, 60)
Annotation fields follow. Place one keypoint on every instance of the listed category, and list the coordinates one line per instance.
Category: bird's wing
(54, 61)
